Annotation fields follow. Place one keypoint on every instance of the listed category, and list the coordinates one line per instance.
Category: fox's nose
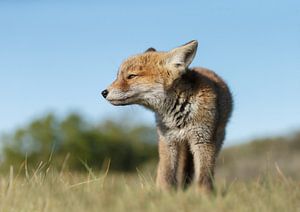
(104, 93)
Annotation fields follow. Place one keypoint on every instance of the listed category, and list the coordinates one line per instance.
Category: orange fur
(192, 108)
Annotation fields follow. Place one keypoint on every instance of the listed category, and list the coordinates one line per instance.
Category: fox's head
(145, 78)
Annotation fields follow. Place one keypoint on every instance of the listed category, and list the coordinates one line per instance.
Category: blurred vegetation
(75, 144)
(261, 157)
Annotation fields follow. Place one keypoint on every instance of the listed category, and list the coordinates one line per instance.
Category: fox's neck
(173, 106)
(175, 109)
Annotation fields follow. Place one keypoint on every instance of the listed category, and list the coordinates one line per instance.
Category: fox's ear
(151, 49)
(182, 56)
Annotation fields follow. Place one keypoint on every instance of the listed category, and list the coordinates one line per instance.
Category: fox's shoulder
(204, 73)
(217, 85)
(207, 76)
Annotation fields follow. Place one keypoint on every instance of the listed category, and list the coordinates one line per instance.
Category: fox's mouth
(120, 102)
(116, 97)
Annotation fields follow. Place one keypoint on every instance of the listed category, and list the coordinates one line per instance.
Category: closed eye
(131, 76)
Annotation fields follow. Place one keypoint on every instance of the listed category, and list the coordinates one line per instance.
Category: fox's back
(216, 93)
(224, 97)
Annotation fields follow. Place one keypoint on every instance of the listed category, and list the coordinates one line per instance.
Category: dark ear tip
(151, 49)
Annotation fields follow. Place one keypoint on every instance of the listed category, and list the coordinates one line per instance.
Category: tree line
(77, 144)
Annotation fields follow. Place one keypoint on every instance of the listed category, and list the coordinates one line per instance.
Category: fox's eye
(131, 76)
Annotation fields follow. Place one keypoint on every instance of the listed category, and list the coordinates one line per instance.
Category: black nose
(104, 93)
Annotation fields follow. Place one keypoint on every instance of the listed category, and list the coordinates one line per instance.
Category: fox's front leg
(204, 155)
(168, 164)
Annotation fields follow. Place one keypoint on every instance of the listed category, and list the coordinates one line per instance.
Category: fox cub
(192, 107)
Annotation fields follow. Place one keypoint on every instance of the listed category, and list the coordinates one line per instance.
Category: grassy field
(136, 192)
(260, 176)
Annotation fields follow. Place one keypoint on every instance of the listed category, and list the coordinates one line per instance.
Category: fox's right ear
(182, 56)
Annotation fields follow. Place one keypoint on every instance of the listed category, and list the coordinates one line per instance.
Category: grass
(258, 176)
(49, 190)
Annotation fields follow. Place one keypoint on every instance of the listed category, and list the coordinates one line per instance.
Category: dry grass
(53, 191)
(259, 176)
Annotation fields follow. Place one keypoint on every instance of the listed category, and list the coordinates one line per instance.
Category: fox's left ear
(151, 49)
(182, 56)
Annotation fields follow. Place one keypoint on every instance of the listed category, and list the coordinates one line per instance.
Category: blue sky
(58, 55)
